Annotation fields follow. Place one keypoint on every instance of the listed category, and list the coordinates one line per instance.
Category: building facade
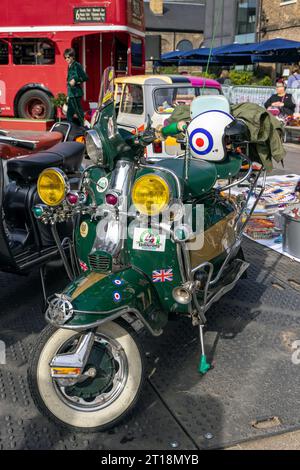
(180, 23)
(229, 21)
(279, 18)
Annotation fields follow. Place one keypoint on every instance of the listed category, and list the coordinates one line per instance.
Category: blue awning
(272, 50)
(276, 45)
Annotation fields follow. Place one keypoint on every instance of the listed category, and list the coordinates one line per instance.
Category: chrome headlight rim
(63, 177)
(94, 147)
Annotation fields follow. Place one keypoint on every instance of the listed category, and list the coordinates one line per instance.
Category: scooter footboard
(96, 298)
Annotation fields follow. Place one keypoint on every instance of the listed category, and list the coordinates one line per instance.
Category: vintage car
(140, 96)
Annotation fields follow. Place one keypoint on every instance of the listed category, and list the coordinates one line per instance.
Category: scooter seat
(66, 155)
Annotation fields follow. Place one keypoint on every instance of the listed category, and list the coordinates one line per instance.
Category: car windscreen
(132, 100)
(166, 99)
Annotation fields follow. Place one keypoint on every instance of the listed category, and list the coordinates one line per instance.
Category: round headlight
(52, 186)
(94, 147)
(150, 194)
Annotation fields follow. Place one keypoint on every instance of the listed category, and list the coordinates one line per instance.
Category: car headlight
(150, 194)
(52, 186)
(94, 147)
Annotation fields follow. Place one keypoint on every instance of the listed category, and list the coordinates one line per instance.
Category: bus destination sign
(90, 15)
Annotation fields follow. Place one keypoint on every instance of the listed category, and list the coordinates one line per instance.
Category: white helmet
(206, 135)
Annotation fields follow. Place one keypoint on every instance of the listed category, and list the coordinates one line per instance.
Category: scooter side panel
(163, 267)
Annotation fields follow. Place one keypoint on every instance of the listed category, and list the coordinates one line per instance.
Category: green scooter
(151, 238)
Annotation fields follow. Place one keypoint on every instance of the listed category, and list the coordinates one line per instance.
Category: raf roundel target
(201, 141)
(206, 135)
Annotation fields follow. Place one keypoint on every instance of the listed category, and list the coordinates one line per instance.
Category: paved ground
(287, 441)
(291, 161)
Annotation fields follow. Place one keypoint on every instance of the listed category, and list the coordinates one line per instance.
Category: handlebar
(26, 144)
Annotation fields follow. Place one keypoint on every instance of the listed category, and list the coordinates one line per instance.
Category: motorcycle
(60, 132)
(26, 243)
(150, 240)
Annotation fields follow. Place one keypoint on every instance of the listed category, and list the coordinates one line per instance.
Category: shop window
(33, 51)
(132, 100)
(136, 52)
(3, 53)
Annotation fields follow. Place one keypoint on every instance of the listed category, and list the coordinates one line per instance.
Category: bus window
(136, 52)
(33, 51)
(3, 53)
(132, 100)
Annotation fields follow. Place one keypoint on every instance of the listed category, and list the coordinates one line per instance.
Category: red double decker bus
(34, 35)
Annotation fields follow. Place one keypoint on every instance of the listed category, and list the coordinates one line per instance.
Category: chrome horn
(183, 294)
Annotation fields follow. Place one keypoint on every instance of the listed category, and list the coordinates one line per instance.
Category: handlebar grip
(26, 144)
(171, 129)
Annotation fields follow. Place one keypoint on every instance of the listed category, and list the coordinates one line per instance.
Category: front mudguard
(97, 298)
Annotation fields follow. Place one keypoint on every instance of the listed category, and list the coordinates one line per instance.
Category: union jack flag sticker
(83, 266)
(162, 275)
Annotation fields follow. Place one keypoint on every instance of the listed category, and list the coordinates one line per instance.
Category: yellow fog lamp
(52, 186)
(150, 194)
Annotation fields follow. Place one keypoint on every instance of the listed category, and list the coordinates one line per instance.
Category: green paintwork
(201, 175)
(229, 167)
(135, 291)
(149, 261)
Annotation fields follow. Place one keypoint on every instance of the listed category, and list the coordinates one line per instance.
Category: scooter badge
(84, 229)
(102, 184)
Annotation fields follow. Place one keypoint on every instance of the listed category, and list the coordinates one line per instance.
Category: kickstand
(42, 278)
(204, 366)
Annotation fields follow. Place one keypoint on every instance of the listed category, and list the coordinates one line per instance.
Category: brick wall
(281, 20)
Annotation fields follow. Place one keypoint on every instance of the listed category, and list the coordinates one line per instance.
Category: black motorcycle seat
(67, 156)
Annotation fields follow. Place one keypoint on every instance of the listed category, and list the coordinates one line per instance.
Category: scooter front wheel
(102, 400)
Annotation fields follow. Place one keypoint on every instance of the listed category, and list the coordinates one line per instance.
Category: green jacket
(180, 113)
(265, 130)
(266, 133)
(76, 71)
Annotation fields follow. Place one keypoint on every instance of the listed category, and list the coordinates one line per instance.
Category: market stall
(275, 222)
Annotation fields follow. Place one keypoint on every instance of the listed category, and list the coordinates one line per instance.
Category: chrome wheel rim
(75, 396)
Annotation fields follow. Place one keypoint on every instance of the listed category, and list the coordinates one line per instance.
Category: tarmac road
(287, 441)
(291, 161)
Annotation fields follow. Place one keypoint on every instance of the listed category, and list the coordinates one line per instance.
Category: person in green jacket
(76, 76)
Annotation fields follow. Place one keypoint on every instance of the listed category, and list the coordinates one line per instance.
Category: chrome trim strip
(159, 168)
(118, 314)
(245, 177)
(62, 123)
